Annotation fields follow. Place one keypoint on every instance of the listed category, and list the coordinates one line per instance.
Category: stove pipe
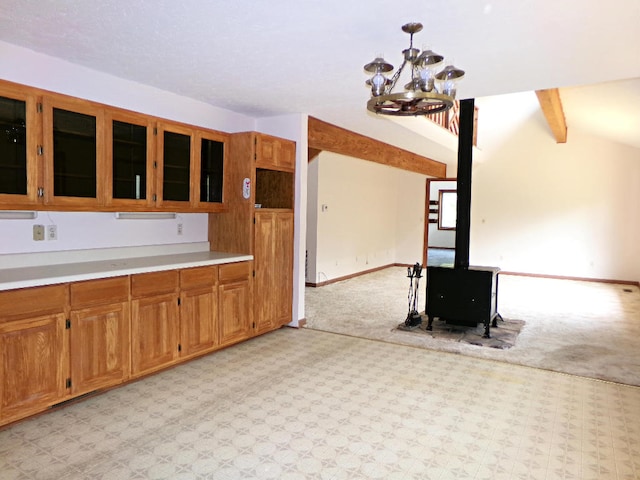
(463, 205)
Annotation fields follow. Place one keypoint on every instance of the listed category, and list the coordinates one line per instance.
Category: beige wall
(568, 209)
(373, 216)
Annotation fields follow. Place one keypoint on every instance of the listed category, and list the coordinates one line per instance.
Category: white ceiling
(306, 56)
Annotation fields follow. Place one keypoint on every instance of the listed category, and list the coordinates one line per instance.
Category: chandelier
(421, 96)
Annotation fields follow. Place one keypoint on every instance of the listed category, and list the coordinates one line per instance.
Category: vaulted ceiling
(293, 56)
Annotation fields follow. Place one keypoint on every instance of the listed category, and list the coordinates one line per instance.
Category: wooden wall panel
(325, 136)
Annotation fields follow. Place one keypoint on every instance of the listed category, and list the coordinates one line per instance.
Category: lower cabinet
(154, 321)
(198, 310)
(61, 341)
(99, 334)
(235, 294)
(273, 286)
(34, 350)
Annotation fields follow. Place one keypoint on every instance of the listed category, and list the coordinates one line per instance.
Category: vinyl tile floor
(305, 404)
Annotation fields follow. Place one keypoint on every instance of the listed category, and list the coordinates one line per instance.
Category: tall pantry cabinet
(260, 221)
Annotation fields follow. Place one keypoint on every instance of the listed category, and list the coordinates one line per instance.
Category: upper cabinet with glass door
(210, 157)
(19, 136)
(175, 166)
(190, 166)
(130, 149)
(74, 153)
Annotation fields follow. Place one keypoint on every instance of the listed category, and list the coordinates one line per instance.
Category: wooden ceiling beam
(552, 108)
(325, 136)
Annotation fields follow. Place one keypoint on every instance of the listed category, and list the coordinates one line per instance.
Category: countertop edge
(113, 268)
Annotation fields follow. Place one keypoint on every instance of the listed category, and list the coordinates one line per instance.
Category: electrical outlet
(179, 229)
(38, 232)
(52, 232)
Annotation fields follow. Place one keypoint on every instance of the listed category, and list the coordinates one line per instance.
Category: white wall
(441, 238)
(88, 230)
(373, 216)
(27, 67)
(568, 209)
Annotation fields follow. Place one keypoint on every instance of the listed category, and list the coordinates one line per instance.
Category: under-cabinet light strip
(17, 215)
(145, 215)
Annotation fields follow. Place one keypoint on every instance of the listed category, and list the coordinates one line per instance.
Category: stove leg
(430, 323)
(487, 333)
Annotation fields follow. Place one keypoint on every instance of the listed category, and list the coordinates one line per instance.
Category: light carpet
(589, 329)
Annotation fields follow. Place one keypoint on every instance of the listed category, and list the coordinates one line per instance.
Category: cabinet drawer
(27, 302)
(149, 284)
(198, 277)
(234, 271)
(96, 292)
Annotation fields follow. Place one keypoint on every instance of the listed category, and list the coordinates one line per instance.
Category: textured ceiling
(306, 56)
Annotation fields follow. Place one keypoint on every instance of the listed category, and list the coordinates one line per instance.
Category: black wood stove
(463, 295)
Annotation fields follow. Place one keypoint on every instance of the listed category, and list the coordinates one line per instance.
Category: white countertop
(34, 276)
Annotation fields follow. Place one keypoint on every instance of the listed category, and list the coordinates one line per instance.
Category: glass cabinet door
(74, 152)
(18, 147)
(129, 161)
(175, 149)
(13, 146)
(211, 170)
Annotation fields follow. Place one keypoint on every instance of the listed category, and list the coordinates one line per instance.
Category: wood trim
(551, 106)
(312, 153)
(325, 136)
(579, 279)
(427, 220)
(352, 275)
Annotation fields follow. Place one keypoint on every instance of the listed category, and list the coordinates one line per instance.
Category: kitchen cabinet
(235, 302)
(34, 363)
(199, 309)
(99, 333)
(262, 222)
(66, 153)
(154, 321)
(274, 153)
(273, 285)
(130, 180)
(210, 156)
(18, 147)
(73, 152)
(176, 165)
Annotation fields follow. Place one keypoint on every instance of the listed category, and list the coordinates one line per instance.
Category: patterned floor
(303, 404)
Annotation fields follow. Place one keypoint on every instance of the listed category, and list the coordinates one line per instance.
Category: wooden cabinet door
(74, 153)
(198, 321)
(154, 333)
(34, 365)
(283, 268)
(99, 339)
(130, 147)
(264, 262)
(235, 316)
(273, 287)
(274, 152)
(20, 126)
(175, 173)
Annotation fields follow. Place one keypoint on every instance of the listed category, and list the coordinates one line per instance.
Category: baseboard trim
(353, 275)
(564, 277)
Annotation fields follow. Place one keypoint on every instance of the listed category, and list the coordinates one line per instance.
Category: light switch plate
(38, 232)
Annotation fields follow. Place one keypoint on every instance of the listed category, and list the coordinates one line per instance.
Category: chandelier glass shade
(430, 90)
